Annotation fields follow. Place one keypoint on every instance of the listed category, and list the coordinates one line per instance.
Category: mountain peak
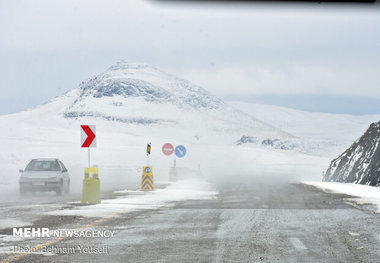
(139, 80)
(124, 65)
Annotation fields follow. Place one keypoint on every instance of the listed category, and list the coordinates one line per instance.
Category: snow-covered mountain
(140, 99)
(361, 162)
(140, 80)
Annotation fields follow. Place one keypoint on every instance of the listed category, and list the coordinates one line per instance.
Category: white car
(45, 175)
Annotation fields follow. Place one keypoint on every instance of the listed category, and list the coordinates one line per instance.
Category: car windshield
(43, 166)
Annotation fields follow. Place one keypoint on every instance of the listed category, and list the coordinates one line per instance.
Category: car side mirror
(21, 170)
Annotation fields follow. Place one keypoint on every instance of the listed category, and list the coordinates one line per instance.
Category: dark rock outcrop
(361, 162)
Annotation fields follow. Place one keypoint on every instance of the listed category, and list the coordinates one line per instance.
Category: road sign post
(88, 138)
(180, 152)
(148, 150)
(91, 182)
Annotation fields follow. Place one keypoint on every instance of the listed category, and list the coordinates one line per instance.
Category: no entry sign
(167, 149)
(88, 136)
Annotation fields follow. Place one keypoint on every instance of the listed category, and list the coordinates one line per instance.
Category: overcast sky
(314, 57)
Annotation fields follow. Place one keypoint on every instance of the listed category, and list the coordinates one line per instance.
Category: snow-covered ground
(120, 152)
(312, 125)
(195, 189)
(319, 133)
(363, 194)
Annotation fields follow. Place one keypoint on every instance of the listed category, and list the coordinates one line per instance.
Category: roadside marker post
(91, 186)
(147, 181)
(148, 150)
(91, 182)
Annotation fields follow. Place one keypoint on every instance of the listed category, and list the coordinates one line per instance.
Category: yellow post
(91, 186)
(147, 181)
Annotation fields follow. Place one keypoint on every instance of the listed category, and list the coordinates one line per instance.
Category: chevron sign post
(91, 182)
(88, 138)
(147, 181)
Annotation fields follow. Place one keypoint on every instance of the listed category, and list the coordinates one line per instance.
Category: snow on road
(365, 194)
(12, 222)
(140, 200)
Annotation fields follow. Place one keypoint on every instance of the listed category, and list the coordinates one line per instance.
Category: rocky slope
(361, 162)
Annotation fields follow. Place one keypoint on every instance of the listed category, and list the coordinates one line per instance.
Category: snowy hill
(319, 132)
(140, 80)
(135, 96)
(361, 162)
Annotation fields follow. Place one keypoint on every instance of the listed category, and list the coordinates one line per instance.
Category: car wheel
(67, 189)
(59, 189)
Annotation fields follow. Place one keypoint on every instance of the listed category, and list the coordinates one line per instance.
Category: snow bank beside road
(366, 194)
(140, 200)
(12, 222)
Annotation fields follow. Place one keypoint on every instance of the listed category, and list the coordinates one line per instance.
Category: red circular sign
(167, 149)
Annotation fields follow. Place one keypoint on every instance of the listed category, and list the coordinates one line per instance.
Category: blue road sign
(180, 151)
(147, 169)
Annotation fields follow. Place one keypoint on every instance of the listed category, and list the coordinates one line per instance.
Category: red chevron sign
(88, 136)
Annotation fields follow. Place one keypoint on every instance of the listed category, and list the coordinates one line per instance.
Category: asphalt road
(252, 220)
